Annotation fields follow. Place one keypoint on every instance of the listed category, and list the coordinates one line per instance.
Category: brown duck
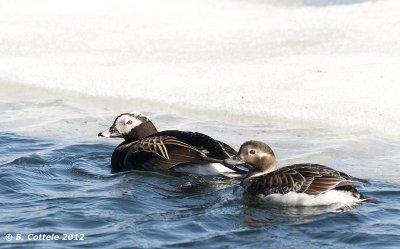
(299, 184)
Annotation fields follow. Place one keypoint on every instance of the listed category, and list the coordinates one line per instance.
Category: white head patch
(127, 122)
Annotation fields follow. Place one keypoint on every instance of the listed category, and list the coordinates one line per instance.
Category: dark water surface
(62, 184)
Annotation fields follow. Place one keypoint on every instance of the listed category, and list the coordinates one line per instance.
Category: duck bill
(111, 132)
(238, 163)
(235, 160)
(235, 164)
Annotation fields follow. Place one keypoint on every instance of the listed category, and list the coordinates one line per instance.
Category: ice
(336, 65)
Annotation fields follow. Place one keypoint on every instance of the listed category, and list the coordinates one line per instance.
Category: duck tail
(212, 160)
(370, 200)
(357, 194)
(356, 180)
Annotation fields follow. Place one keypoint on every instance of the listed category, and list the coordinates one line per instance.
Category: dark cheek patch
(254, 160)
(258, 160)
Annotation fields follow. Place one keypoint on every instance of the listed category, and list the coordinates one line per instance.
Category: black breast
(118, 157)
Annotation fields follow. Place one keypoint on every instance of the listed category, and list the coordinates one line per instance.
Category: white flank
(207, 169)
(300, 199)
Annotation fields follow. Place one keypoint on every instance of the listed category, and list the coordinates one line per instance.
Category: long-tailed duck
(145, 148)
(296, 185)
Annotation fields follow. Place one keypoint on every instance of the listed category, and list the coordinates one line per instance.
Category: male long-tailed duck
(296, 185)
(145, 148)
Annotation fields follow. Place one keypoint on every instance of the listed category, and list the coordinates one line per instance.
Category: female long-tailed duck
(296, 185)
(145, 148)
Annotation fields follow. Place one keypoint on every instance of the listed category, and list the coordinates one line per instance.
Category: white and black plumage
(145, 148)
(300, 184)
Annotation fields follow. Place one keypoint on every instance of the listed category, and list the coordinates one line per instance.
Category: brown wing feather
(162, 153)
(310, 179)
(159, 145)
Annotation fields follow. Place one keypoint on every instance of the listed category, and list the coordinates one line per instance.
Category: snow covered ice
(333, 65)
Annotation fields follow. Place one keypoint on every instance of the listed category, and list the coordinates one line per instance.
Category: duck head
(130, 126)
(256, 156)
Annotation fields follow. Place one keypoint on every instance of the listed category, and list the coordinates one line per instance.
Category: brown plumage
(265, 178)
(158, 153)
(312, 179)
(145, 148)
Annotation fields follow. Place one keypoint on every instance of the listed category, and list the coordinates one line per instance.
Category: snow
(334, 65)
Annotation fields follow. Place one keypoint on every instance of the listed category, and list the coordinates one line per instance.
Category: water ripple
(50, 188)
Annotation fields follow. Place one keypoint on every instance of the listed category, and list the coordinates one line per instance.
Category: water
(55, 178)
(297, 74)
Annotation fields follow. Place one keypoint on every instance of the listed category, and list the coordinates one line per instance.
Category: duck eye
(129, 122)
(252, 152)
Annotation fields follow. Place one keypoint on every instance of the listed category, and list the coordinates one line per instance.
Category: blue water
(50, 186)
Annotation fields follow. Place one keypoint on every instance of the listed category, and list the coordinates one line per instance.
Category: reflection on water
(63, 184)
